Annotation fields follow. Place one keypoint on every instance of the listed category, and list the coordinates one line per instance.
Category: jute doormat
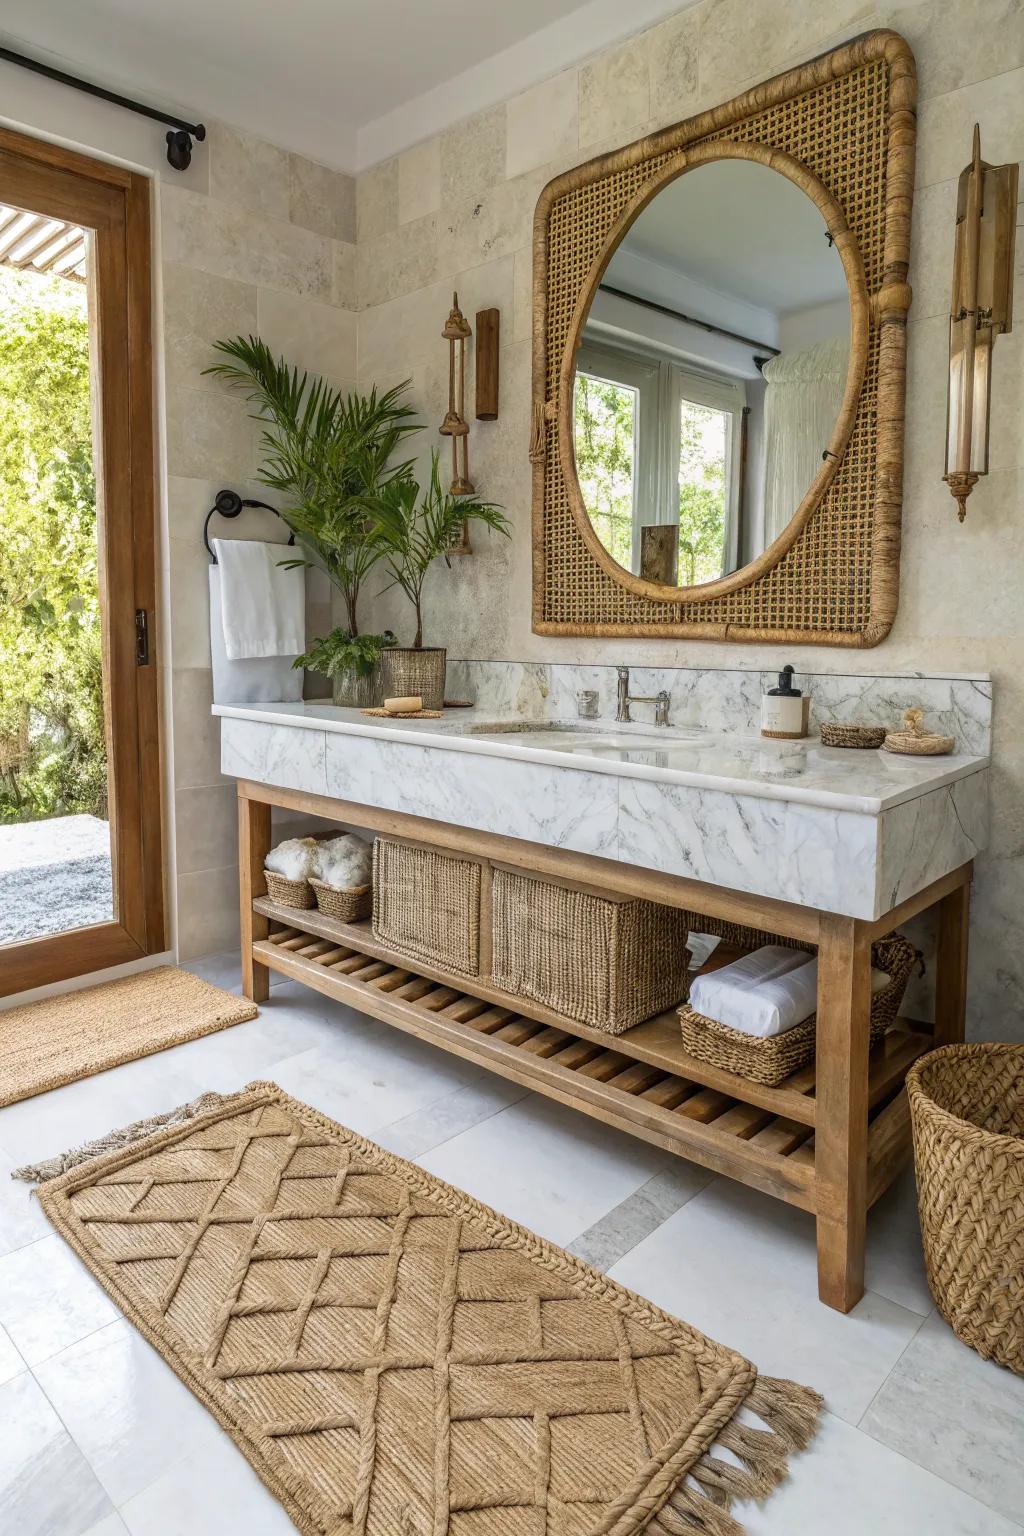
(44, 1045)
(395, 1359)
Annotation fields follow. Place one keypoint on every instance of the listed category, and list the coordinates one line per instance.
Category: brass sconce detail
(981, 310)
(456, 331)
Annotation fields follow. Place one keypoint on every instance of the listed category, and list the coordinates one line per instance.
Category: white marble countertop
(739, 764)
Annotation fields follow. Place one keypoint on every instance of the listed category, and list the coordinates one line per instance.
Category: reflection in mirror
(710, 373)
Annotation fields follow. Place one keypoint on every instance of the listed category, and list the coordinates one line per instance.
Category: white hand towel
(262, 603)
(260, 680)
(764, 993)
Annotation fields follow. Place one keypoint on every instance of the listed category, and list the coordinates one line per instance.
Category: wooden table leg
(841, 1093)
(253, 847)
(951, 965)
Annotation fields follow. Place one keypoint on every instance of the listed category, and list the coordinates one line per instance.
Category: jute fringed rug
(44, 1045)
(395, 1359)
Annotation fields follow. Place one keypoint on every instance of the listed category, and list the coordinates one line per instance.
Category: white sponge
(343, 862)
(295, 858)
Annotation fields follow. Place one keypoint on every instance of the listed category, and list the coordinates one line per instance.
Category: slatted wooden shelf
(642, 1082)
(657, 1041)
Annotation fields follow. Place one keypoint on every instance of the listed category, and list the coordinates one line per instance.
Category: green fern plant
(328, 455)
(415, 529)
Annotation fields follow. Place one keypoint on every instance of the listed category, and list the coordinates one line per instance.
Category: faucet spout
(625, 699)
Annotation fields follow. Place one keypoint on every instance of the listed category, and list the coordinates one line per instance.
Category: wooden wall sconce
(487, 331)
(981, 310)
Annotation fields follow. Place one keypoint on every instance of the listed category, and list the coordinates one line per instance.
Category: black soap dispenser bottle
(784, 710)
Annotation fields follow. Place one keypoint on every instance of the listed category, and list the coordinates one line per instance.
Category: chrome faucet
(659, 700)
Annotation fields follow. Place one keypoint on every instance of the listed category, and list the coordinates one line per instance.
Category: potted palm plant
(415, 529)
(329, 456)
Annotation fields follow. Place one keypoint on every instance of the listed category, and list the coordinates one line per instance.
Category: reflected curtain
(802, 399)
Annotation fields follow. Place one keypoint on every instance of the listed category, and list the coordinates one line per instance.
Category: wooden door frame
(115, 204)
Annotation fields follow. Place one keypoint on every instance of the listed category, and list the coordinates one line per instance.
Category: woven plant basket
(289, 893)
(606, 961)
(347, 905)
(967, 1113)
(771, 1061)
(405, 671)
(426, 904)
(861, 736)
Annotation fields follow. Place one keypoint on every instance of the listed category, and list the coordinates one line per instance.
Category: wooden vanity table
(830, 1139)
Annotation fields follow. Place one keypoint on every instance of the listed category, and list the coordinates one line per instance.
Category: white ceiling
(745, 231)
(343, 81)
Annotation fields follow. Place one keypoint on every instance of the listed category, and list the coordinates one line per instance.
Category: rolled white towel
(344, 862)
(295, 858)
(766, 992)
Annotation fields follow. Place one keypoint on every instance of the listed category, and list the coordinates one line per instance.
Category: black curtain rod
(677, 314)
(180, 136)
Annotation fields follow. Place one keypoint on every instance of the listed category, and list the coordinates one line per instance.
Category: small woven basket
(967, 1113)
(289, 893)
(609, 962)
(861, 736)
(772, 1060)
(347, 905)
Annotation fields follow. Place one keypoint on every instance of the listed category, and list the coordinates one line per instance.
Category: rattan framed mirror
(837, 134)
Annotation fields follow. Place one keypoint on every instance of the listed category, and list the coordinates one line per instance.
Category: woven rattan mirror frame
(843, 127)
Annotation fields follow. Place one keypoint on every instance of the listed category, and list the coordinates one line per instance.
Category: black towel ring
(229, 504)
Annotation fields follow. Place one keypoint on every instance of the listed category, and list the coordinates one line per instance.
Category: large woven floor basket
(967, 1110)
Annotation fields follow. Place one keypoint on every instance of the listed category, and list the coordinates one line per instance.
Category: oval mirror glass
(710, 373)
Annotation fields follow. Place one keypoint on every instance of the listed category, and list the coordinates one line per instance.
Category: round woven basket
(967, 1112)
(863, 736)
(347, 905)
(289, 893)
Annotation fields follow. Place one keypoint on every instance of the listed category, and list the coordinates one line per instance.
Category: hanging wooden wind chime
(456, 331)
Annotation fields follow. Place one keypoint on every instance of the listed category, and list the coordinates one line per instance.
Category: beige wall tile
(208, 432)
(946, 124)
(206, 828)
(247, 172)
(615, 93)
(344, 290)
(931, 248)
(200, 308)
(190, 601)
(196, 760)
(419, 181)
(472, 156)
(207, 234)
(208, 920)
(377, 200)
(672, 60)
(543, 124)
(317, 337)
(492, 225)
(321, 199)
(738, 44)
(398, 262)
(523, 294)
(955, 44)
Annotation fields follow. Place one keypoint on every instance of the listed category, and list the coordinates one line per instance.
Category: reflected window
(657, 449)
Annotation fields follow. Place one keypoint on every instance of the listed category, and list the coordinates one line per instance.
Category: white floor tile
(126, 1409)
(846, 1485)
(437, 1123)
(549, 1167)
(958, 1415)
(49, 1300)
(21, 1219)
(741, 1267)
(46, 1486)
(11, 1362)
(214, 1493)
(895, 1260)
(113, 1525)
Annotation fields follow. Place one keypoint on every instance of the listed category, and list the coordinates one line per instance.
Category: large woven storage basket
(967, 1112)
(771, 1061)
(426, 904)
(609, 962)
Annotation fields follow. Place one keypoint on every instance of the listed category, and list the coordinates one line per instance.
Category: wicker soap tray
(915, 741)
(862, 736)
(772, 1060)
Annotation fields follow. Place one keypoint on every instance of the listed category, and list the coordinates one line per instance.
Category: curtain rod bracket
(180, 136)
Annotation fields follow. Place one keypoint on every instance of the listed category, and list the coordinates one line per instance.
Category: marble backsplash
(722, 699)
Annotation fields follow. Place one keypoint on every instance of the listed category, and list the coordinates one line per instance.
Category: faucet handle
(623, 674)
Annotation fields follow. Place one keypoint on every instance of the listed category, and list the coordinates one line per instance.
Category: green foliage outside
(52, 742)
(606, 425)
(605, 442)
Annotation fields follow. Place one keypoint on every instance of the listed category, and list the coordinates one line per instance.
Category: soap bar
(406, 706)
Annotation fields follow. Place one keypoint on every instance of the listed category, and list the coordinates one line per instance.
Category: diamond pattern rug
(395, 1359)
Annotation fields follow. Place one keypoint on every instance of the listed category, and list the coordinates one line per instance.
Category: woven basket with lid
(967, 1112)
